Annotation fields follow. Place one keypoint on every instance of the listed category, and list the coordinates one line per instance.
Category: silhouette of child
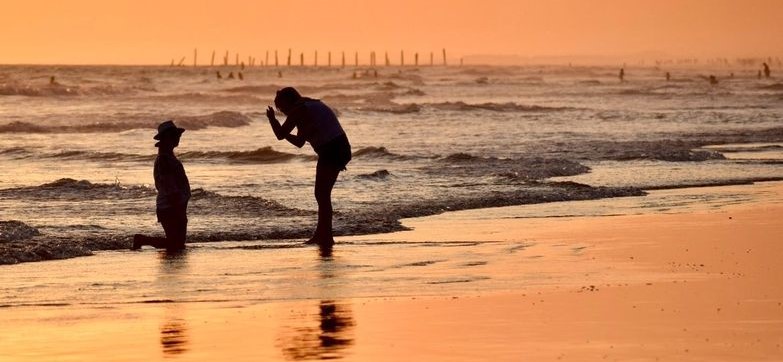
(173, 192)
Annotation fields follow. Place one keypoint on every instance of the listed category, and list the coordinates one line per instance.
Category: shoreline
(23, 251)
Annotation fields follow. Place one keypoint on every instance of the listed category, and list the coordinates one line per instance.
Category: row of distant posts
(252, 61)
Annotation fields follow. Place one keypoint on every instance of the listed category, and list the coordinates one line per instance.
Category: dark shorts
(335, 153)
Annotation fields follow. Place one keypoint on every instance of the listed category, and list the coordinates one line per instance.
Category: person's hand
(270, 113)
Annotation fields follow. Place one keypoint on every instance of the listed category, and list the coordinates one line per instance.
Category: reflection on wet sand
(329, 340)
(333, 336)
(174, 328)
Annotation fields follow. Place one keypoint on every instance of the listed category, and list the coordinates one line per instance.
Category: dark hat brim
(160, 135)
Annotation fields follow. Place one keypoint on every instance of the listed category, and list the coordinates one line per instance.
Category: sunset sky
(155, 31)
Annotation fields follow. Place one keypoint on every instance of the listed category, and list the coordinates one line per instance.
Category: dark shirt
(315, 122)
(170, 181)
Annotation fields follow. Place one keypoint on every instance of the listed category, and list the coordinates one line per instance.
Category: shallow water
(425, 140)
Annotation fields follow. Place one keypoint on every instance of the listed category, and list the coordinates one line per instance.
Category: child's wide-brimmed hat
(166, 128)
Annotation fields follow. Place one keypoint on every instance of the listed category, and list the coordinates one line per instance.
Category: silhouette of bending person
(766, 70)
(173, 192)
(316, 124)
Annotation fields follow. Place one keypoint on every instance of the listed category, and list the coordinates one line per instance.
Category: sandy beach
(697, 281)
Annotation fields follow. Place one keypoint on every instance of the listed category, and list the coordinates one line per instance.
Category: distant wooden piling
(343, 62)
(416, 59)
(329, 59)
(181, 61)
(402, 58)
(212, 62)
(225, 59)
(386, 59)
(356, 59)
(172, 62)
(301, 59)
(237, 59)
(315, 59)
(195, 57)
(288, 63)
(444, 56)
(432, 58)
(276, 63)
(266, 59)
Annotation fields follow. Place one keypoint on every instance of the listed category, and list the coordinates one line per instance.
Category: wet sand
(698, 282)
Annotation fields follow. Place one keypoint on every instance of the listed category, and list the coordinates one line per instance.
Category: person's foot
(137, 242)
(312, 241)
(320, 240)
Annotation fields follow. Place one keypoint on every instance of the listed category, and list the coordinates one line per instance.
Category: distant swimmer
(279, 74)
(219, 76)
(766, 70)
(668, 76)
(241, 77)
(622, 75)
(713, 80)
(230, 75)
(173, 192)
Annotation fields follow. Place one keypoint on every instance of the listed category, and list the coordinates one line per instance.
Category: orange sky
(154, 31)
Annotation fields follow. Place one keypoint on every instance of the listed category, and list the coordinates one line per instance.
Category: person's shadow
(174, 328)
(333, 334)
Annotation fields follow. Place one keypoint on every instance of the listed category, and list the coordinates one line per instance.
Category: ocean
(76, 155)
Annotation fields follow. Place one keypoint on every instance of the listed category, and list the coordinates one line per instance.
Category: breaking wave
(379, 175)
(464, 107)
(211, 203)
(261, 155)
(49, 90)
(519, 169)
(16, 230)
(775, 87)
(99, 156)
(217, 119)
(69, 189)
(379, 152)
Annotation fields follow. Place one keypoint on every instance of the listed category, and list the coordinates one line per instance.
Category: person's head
(168, 134)
(286, 98)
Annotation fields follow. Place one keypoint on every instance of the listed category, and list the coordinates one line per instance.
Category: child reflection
(174, 328)
(333, 334)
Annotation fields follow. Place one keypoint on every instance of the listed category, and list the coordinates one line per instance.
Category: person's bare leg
(175, 228)
(325, 178)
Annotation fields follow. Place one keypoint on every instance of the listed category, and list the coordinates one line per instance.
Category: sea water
(76, 154)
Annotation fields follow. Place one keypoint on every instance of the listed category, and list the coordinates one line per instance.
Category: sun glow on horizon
(151, 32)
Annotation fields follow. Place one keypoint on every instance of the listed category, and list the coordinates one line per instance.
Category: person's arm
(295, 140)
(281, 131)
